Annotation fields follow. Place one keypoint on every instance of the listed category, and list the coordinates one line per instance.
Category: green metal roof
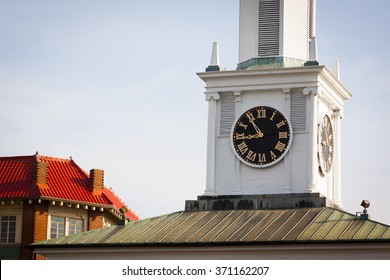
(322, 224)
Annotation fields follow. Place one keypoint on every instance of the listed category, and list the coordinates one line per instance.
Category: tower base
(259, 202)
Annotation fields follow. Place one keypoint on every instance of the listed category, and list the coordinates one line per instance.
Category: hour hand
(259, 133)
(250, 136)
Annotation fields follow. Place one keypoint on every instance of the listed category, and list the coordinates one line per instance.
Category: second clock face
(261, 136)
(326, 145)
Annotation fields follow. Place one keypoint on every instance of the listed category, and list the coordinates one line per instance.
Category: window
(75, 226)
(8, 229)
(57, 227)
(61, 226)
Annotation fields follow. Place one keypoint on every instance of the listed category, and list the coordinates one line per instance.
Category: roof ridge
(49, 158)
(71, 161)
(16, 157)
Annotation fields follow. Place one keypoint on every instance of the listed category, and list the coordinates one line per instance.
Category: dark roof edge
(208, 244)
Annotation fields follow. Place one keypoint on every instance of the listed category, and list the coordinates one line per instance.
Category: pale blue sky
(113, 84)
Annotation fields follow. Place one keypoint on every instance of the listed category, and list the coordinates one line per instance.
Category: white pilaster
(211, 136)
(312, 153)
(337, 115)
(287, 159)
(237, 162)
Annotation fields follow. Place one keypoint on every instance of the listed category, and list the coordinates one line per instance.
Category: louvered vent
(227, 114)
(269, 18)
(298, 112)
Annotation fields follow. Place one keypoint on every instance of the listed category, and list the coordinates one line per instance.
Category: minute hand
(261, 134)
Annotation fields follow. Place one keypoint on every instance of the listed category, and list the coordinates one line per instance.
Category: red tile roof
(65, 181)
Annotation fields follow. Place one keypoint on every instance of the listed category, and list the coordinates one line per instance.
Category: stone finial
(214, 62)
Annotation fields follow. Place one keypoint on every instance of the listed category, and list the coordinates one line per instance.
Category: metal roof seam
(252, 217)
(216, 226)
(255, 226)
(203, 225)
(269, 238)
(93, 232)
(59, 239)
(334, 227)
(184, 231)
(174, 228)
(115, 235)
(226, 228)
(144, 223)
(385, 233)
(267, 227)
(322, 225)
(159, 219)
(309, 224)
(105, 231)
(297, 223)
(373, 229)
(177, 237)
(177, 216)
(357, 232)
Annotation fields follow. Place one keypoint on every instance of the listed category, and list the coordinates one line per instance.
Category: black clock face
(261, 136)
(325, 145)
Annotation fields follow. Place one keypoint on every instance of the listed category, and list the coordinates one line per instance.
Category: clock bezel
(269, 164)
(321, 164)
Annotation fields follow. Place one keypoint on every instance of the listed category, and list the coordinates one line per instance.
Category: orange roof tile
(65, 181)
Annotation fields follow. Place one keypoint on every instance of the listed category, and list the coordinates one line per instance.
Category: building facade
(44, 197)
(273, 186)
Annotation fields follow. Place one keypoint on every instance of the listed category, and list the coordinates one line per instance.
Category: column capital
(311, 90)
(212, 95)
(338, 114)
(237, 96)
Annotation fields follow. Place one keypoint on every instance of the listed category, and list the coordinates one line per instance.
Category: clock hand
(253, 136)
(326, 135)
(259, 133)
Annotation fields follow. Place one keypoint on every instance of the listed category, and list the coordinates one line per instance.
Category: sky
(113, 84)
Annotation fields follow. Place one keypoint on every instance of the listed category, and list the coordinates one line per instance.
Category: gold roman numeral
(261, 113)
(243, 148)
(240, 136)
(279, 125)
(251, 155)
(272, 117)
(262, 158)
(250, 117)
(280, 146)
(242, 125)
(283, 135)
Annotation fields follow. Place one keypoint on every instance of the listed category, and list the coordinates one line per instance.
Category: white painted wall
(294, 34)
(294, 29)
(298, 172)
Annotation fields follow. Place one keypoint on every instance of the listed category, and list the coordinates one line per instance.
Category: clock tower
(273, 123)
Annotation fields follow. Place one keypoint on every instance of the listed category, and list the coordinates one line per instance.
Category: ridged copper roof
(233, 227)
(65, 181)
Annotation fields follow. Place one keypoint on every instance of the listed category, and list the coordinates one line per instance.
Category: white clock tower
(274, 122)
